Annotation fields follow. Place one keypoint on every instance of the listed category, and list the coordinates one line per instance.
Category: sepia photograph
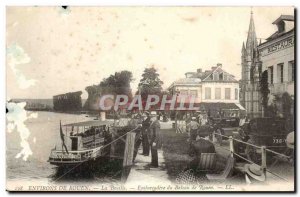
(150, 99)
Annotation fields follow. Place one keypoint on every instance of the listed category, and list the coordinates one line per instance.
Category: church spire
(243, 49)
(251, 43)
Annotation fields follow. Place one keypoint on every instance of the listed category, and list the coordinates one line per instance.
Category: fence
(263, 151)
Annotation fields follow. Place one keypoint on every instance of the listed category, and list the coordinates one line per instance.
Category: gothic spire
(243, 49)
(251, 43)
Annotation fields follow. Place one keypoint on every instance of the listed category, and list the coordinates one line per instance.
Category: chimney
(199, 70)
(219, 64)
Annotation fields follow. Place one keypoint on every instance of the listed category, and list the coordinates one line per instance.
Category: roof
(93, 123)
(208, 73)
(198, 77)
(276, 35)
(187, 81)
(286, 30)
(284, 18)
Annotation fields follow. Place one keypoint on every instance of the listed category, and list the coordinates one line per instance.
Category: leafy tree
(287, 103)
(264, 90)
(119, 83)
(150, 84)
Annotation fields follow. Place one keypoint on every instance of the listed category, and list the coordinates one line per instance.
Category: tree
(264, 90)
(119, 83)
(150, 84)
(287, 103)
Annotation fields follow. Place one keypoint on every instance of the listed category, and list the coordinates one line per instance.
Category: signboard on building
(278, 46)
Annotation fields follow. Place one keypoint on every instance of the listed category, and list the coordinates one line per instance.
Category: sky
(51, 50)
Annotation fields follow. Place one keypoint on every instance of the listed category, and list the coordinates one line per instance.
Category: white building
(277, 56)
(277, 59)
(215, 89)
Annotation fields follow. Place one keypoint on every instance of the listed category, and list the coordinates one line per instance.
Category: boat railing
(80, 155)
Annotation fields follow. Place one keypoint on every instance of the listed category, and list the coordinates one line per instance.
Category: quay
(161, 175)
(140, 175)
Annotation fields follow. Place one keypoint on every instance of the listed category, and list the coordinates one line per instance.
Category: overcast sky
(52, 51)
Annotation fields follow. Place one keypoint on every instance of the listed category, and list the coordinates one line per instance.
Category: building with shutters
(278, 62)
(215, 90)
(277, 57)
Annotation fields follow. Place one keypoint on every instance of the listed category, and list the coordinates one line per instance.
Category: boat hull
(74, 158)
(72, 164)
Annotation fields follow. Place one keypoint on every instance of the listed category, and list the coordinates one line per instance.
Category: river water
(44, 135)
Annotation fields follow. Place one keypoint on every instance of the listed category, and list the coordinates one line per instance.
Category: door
(74, 143)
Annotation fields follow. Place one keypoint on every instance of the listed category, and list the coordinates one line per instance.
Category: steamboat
(82, 142)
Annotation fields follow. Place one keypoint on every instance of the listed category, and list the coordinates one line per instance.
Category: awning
(92, 123)
(205, 107)
(240, 106)
(220, 106)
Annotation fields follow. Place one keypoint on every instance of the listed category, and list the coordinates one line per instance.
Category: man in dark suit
(136, 121)
(154, 140)
(145, 127)
(193, 128)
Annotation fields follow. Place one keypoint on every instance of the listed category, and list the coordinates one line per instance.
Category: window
(291, 71)
(216, 76)
(183, 92)
(271, 72)
(221, 76)
(227, 93)
(260, 69)
(225, 77)
(252, 70)
(207, 93)
(193, 93)
(280, 72)
(218, 93)
(281, 26)
(236, 94)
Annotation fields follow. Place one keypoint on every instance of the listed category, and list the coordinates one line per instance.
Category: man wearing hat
(145, 127)
(193, 127)
(254, 173)
(154, 139)
(135, 122)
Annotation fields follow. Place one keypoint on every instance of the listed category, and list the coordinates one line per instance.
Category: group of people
(147, 134)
